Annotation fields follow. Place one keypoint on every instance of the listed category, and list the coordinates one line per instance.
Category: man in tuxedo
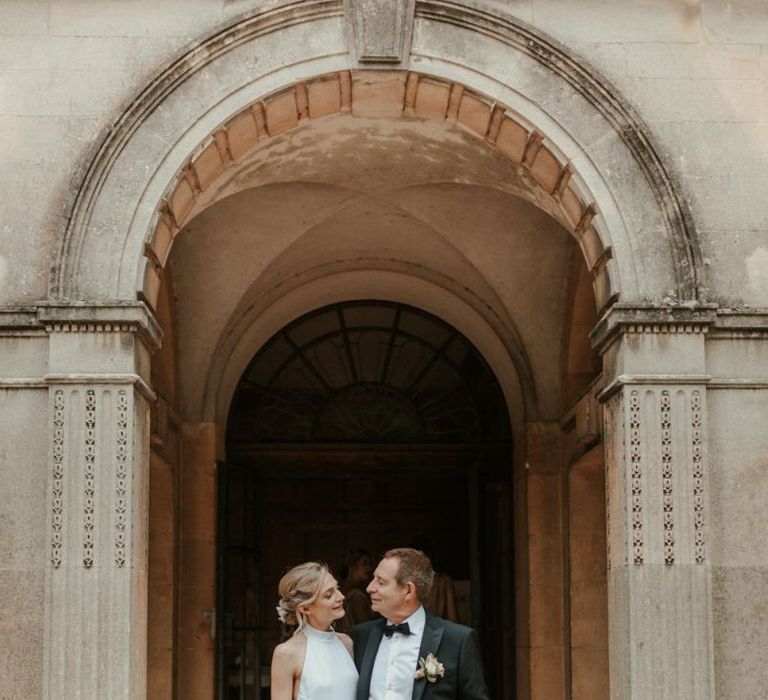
(391, 653)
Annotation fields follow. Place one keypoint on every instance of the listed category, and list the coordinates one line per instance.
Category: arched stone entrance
(489, 134)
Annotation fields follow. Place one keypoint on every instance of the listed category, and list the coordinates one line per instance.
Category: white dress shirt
(397, 661)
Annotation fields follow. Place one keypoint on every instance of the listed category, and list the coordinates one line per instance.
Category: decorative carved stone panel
(381, 29)
(659, 578)
(664, 477)
(90, 480)
(96, 515)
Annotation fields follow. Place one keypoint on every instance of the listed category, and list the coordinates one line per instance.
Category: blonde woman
(316, 662)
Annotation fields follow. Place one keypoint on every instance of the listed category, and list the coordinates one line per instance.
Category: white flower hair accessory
(282, 611)
(430, 668)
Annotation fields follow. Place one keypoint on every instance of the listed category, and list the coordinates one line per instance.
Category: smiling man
(410, 654)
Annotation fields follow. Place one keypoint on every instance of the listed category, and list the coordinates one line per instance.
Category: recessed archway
(545, 176)
(208, 282)
(356, 427)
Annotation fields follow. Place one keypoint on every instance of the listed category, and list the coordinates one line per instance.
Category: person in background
(441, 600)
(355, 576)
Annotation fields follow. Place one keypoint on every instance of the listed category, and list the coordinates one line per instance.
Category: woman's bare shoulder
(290, 651)
(346, 640)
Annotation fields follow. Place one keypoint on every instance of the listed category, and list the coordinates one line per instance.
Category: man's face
(387, 596)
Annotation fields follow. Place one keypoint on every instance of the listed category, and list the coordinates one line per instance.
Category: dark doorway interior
(364, 425)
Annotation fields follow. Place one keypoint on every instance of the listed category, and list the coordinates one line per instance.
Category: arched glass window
(368, 372)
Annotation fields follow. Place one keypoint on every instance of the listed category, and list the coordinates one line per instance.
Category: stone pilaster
(659, 577)
(96, 596)
(546, 615)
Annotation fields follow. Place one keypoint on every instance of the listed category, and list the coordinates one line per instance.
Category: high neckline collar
(322, 635)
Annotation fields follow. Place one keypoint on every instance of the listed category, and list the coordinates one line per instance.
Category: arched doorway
(487, 262)
(360, 425)
(287, 238)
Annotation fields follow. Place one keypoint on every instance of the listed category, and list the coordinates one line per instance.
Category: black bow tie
(403, 628)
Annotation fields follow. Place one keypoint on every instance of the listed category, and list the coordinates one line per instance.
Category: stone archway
(593, 169)
(621, 177)
(549, 178)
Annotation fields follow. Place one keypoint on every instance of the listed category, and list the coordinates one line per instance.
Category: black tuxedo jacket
(455, 646)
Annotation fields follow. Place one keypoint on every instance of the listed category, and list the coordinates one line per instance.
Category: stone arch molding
(588, 158)
(258, 324)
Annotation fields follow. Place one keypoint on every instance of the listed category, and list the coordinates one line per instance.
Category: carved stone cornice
(621, 319)
(80, 317)
(16, 320)
(716, 322)
(131, 317)
(741, 323)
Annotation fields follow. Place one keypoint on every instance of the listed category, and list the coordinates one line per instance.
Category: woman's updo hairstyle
(300, 586)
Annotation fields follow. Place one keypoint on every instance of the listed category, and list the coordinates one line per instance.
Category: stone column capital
(84, 317)
(100, 343)
(622, 319)
(653, 344)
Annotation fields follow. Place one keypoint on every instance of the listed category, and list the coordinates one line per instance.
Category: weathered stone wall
(695, 72)
(23, 551)
(738, 445)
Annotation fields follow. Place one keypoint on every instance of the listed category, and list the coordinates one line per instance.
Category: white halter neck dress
(329, 672)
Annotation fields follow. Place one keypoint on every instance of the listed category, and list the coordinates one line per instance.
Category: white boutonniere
(430, 668)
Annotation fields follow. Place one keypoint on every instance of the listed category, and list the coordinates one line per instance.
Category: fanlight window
(368, 372)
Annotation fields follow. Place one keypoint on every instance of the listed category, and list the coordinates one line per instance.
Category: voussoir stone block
(546, 169)
(324, 97)
(242, 134)
(571, 205)
(378, 94)
(152, 282)
(432, 99)
(281, 112)
(182, 199)
(474, 113)
(208, 165)
(162, 241)
(591, 246)
(512, 139)
(602, 287)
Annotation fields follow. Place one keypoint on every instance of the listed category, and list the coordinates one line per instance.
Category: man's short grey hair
(414, 567)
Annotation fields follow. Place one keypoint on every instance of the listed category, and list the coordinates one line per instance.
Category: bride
(316, 662)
